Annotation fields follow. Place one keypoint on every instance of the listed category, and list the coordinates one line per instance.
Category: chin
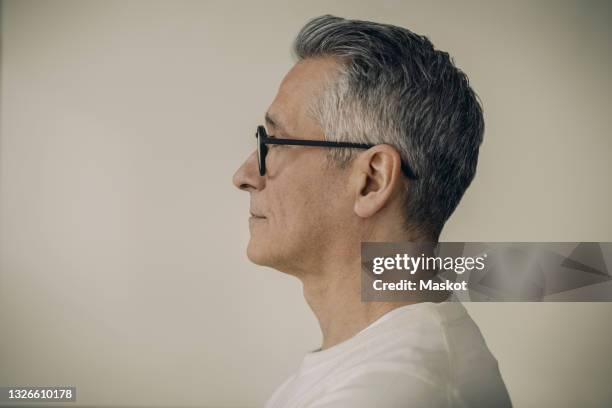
(257, 254)
(263, 256)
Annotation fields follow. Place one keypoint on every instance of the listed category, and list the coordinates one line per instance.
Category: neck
(334, 294)
(336, 302)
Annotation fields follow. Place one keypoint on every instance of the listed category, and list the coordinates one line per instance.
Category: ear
(376, 178)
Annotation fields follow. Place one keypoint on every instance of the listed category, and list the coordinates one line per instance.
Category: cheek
(307, 202)
(311, 206)
(293, 206)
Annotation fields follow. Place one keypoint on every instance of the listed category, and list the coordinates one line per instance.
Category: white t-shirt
(421, 355)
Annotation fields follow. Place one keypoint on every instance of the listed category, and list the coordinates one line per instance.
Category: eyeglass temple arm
(298, 142)
(321, 143)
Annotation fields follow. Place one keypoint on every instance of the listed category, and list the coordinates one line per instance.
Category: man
(392, 131)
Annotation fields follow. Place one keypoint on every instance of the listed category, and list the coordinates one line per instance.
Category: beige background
(122, 241)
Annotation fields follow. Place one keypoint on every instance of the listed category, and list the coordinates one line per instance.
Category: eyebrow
(275, 124)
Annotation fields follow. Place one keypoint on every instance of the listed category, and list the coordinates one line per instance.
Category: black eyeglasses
(263, 140)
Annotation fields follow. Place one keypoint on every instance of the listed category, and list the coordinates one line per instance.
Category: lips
(254, 215)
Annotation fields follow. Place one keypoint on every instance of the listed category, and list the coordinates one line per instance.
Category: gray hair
(393, 87)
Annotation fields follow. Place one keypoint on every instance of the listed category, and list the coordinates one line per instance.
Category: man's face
(298, 208)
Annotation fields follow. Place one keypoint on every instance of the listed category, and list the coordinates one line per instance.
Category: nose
(247, 177)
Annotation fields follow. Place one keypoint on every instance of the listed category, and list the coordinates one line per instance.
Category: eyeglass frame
(263, 140)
